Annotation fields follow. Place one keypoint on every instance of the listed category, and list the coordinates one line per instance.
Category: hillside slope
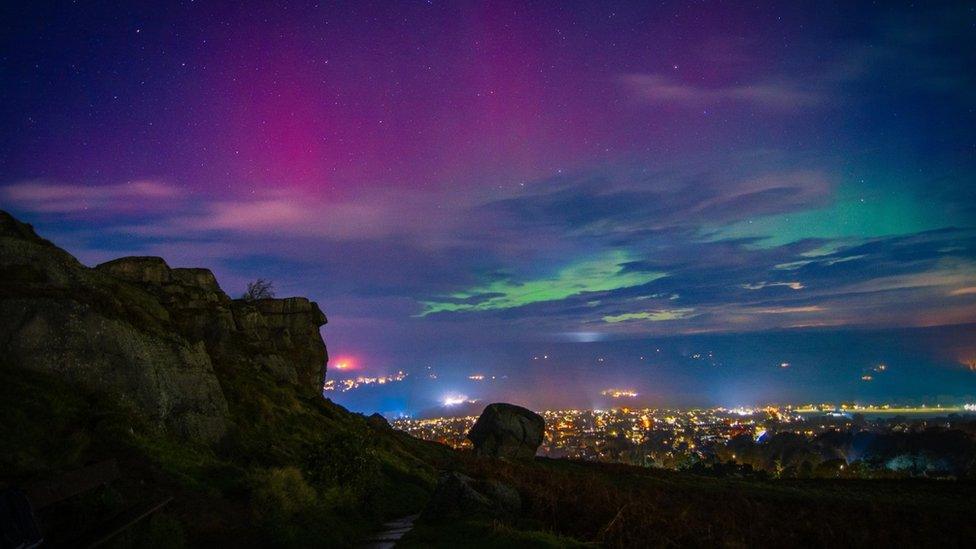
(212, 400)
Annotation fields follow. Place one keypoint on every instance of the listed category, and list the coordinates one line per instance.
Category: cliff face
(278, 335)
(154, 337)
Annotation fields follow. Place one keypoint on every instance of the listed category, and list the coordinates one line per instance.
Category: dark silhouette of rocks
(457, 494)
(507, 431)
(148, 335)
(280, 336)
(378, 423)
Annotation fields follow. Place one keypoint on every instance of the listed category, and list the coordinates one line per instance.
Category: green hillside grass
(292, 472)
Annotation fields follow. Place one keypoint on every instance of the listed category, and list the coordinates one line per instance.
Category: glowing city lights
(345, 385)
(660, 437)
(344, 363)
(456, 399)
(619, 393)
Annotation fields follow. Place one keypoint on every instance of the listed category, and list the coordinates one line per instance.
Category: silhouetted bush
(259, 289)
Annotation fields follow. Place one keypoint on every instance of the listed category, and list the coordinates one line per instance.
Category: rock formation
(154, 337)
(507, 431)
(458, 494)
(378, 423)
(280, 336)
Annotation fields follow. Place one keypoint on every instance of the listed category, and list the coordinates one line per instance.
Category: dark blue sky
(464, 186)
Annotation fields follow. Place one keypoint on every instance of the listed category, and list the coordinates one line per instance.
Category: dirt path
(391, 533)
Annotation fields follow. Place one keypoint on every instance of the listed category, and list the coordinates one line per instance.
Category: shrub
(346, 458)
(281, 492)
(259, 289)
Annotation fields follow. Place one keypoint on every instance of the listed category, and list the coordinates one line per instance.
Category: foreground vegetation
(626, 506)
(298, 473)
(292, 472)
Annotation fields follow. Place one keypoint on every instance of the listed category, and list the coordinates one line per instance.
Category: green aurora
(600, 274)
(856, 213)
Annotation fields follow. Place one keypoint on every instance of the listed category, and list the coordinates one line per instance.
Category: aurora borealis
(468, 187)
(601, 274)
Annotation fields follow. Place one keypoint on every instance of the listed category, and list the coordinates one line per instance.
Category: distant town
(809, 439)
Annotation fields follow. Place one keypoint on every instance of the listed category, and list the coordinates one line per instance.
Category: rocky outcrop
(279, 336)
(507, 431)
(154, 337)
(457, 494)
(285, 337)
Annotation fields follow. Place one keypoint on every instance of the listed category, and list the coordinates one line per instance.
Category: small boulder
(507, 431)
(505, 498)
(377, 422)
(455, 494)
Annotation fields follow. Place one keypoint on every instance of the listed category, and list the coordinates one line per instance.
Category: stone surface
(378, 423)
(278, 336)
(507, 431)
(153, 337)
(504, 497)
(457, 494)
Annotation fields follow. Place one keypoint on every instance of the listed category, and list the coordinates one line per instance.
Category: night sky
(705, 202)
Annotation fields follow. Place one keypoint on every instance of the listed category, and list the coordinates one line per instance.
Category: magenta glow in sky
(464, 186)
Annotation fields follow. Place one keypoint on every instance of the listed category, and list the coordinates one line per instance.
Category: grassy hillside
(291, 472)
(625, 506)
(296, 472)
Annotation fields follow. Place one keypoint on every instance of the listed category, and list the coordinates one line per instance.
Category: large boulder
(507, 431)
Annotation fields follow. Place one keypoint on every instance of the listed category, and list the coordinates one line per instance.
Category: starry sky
(700, 202)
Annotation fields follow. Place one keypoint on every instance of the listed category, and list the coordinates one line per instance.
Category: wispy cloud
(663, 90)
(660, 315)
(616, 202)
(178, 214)
(579, 252)
(287, 215)
(56, 198)
(968, 290)
(788, 310)
(764, 284)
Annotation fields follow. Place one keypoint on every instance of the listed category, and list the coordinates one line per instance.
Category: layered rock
(279, 336)
(149, 335)
(507, 431)
(285, 334)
